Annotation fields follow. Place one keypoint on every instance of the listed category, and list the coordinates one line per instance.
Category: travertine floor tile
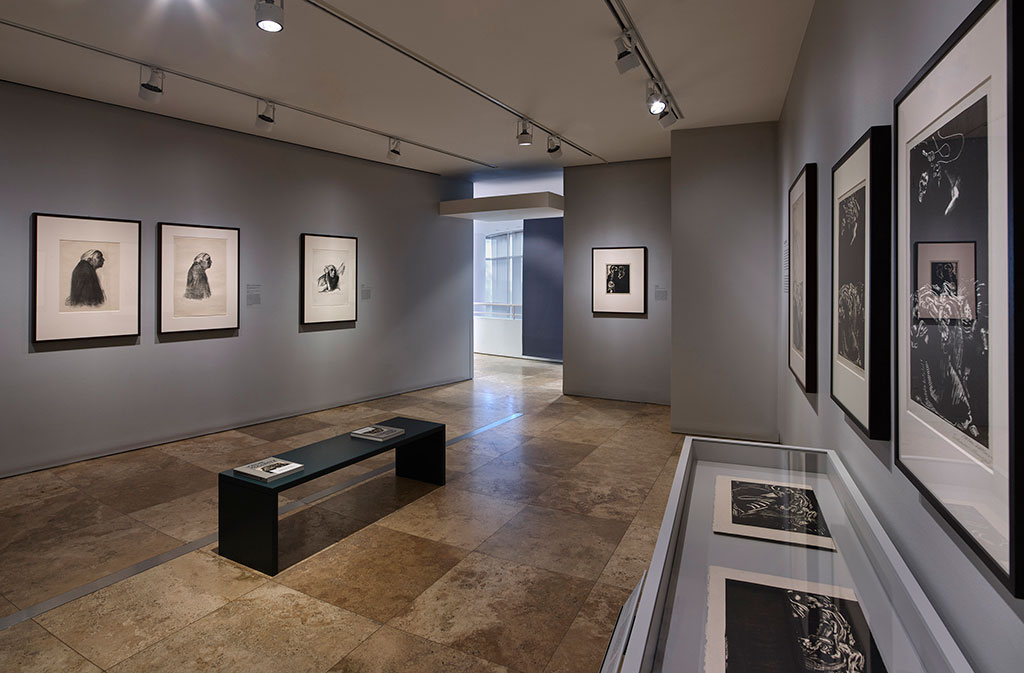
(507, 613)
(605, 495)
(574, 430)
(30, 573)
(220, 451)
(187, 518)
(7, 607)
(40, 520)
(453, 516)
(285, 427)
(270, 630)
(546, 453)
(582, 650)
(652, 511)
(26, 489)
(307, 531)
(643, 440)
(568, 543)
(393, 651)
(376, 498)
(28, 648)
(376, 572)
(635, 467)
(116, 622)
(508, 480)
(631, 557)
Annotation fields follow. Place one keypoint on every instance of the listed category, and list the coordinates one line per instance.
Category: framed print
(861, 232)
(955, 339)
(199, 277)
(803, 275)
(798, 626)
(329, 276)
(770, 510)
(619, 280)
(86, 278)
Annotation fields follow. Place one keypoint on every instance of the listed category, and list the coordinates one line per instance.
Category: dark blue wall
(542, 288)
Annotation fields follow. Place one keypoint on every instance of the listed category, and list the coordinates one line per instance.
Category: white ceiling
(726, 62)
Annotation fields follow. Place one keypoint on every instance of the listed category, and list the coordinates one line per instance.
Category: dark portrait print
(944, 278)
(85, 283)
(618, 278)
(330, 279)
(197, 286)
(851, 275)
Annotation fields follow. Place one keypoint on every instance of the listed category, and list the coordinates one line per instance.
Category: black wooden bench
(247, 510)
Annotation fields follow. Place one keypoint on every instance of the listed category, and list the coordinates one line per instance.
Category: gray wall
(70, 156)
(856, 57)
(617, 205)
(725, 281)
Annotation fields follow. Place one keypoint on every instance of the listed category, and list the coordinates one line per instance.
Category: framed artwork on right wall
(957, 397)
(803, 278)
(861, 206)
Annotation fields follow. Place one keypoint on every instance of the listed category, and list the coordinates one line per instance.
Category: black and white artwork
(955, 277)
(851, 272)
(802, 242)
(328, 278)
(199, 277)
(619, 280)
(765, 624)
(770, 510)
(949, 345)
(87, 277)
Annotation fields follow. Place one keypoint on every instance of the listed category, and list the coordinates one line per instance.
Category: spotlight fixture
(394, 149)
(151, 83)
(265, 115)
(554, 147)
(270, 15)
(656, 103)
(667, 118)
(524, 133)
(626, 57)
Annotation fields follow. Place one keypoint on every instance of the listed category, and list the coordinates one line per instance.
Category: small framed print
(861, 206)
(199, 277)
(803, 274)
(329, 278)
(956, 388)
(770, 510)
(619, 280)
(86, 279)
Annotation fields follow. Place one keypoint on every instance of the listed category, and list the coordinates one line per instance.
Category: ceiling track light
(656, 103)
(626, 56)
(151, 83)
(554, 147)
(270, 15)
(394, 149)
(668, 117)
(265, 111)
(524, 133)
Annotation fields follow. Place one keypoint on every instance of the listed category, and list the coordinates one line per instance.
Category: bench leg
(423, 459)
(247, 520)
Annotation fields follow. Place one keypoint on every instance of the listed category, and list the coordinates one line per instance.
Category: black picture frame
(877, 352)
(809, 173)
(593, 262)
(33, 272)
(161, 327)
(304, 319)
(1013, 578)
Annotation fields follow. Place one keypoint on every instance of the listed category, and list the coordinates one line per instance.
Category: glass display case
(769, 558)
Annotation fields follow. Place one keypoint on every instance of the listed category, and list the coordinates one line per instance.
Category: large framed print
(770, 510)
(329, 277)
(956, 171)
(619, 280)
(199, 277)
(861, 289)
(86, 277)
(803, 278)
(796, 625)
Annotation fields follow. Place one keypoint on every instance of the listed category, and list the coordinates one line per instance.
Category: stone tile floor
(519, 564)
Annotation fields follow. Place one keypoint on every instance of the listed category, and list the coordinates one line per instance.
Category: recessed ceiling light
(270, 15)
(524, 134)
(151, 84)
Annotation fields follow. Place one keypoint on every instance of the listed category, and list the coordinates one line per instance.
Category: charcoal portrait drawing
(949, 213)
(332, 286)
(618, 278)
(200, 276)
(89, 275)
(851, 272)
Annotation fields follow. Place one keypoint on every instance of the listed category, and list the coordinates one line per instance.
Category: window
(503, 269)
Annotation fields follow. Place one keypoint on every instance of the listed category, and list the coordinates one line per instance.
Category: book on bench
(378, 433)
(269, 469)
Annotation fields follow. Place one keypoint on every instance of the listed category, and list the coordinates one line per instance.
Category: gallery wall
(63, 402)
(543, 285)
(617, 357)
(856, 57)
(725, 281)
